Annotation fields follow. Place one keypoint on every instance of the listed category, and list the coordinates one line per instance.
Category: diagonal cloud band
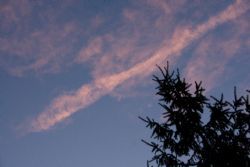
(65, 105)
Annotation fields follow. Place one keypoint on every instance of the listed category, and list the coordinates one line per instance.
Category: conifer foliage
(198, 130)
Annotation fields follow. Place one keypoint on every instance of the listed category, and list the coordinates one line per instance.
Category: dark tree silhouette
(197, 130)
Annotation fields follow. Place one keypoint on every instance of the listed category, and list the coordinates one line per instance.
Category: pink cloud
(93, 48)
(43, 50)
(27, 47)
(210, 59)
(232, 12)
(65, 105)
(208, 64)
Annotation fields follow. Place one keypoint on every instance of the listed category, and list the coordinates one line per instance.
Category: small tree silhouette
(185, 139)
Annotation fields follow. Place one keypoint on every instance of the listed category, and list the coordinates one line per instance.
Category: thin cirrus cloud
(204, 65)
(51, 47)
(93, 48)
(32, 40)
(65, 105)
(225, 47)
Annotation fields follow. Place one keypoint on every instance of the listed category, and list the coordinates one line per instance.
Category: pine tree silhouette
(185, 139)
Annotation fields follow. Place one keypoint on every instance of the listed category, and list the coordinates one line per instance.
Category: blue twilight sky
(76, 74)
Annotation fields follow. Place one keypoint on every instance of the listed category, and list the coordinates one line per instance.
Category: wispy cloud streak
(65, 105)
(211, 56)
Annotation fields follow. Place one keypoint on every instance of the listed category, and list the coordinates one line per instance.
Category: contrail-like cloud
(65, 105)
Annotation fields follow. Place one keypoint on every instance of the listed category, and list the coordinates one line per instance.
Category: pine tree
(198, 130)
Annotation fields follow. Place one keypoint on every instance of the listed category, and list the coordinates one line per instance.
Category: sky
(76, 74)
